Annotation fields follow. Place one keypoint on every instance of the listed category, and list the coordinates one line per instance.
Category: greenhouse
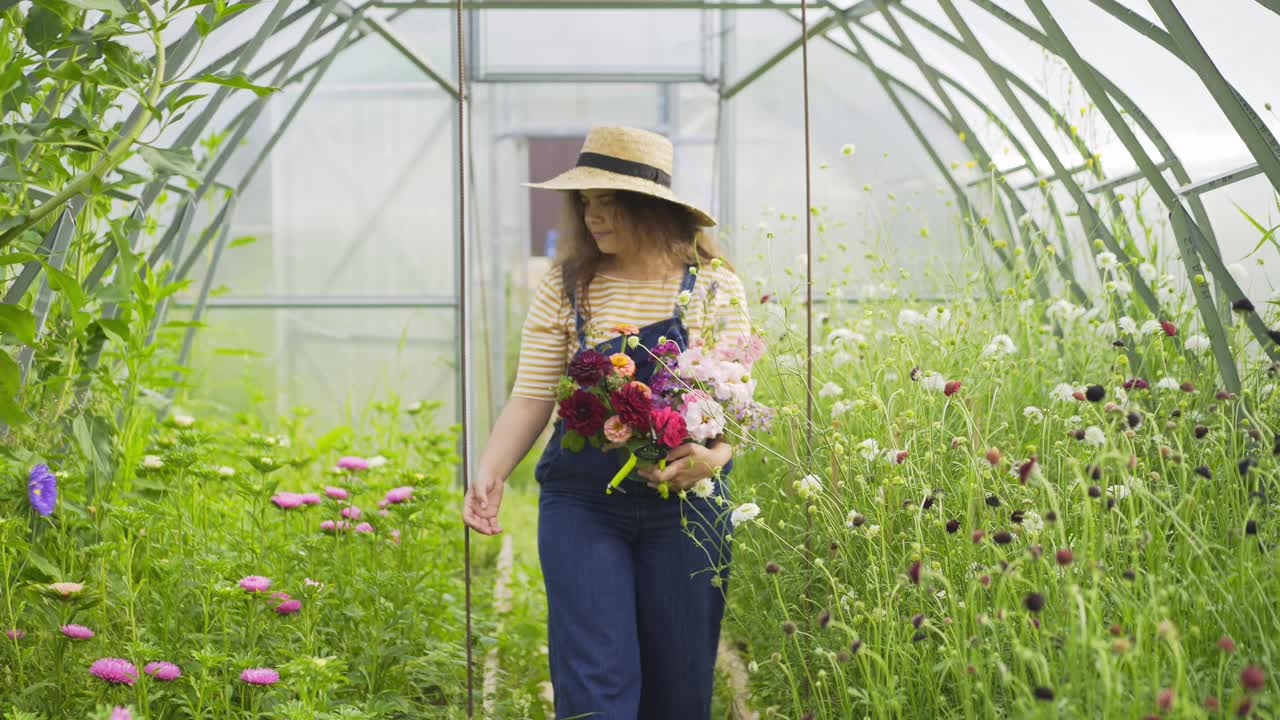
(639, 359)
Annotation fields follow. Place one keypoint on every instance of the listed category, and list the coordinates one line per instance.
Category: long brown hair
(666, 230)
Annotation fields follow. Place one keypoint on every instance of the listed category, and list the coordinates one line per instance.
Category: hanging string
(463, 345)
(808, 228)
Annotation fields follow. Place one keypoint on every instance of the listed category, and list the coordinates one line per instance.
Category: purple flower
(351, 512)
(336, 493)
(351, 462)
(121, 713)
(77, 632)
(331, 526)
(255, 583)
(260, 676)
(364, 527)
(15, 633)
(400, 494)
(289, 607)
(310, 498)
(114, 670)
(162, 670)
(286, 500)
(42, 489)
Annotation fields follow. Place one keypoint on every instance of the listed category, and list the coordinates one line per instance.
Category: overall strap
(577, 321)
(686, 284)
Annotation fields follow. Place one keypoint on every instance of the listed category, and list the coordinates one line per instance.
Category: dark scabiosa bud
(993, 455)
(920, 635)
(913, 573)
(1134, 419)
(1042, 693)
(1078, 433)
(1095, 491)
(1129, 574)
(1033, 602)
(824, 618)
(1201, 431)
(917, 619)
(843, 656)
(1243, 305)
(1095, 471)
(928, 503)
(915, 374)
(1116, 629)
(1188, 387)
(1176, 413)
(807, 716)
(1251, 678)
(1251, 527)
(1016, 516)
(1246, 707)
(1136, 382)
(1111, 503)
(1211, 702)
(1254, 435)
(1002, 537)
(1224, 395)
(1244, 465)
(1095, 393)
(1051, 516)
(854, 647)
(1064, 556)
(993, 501)
(1117, 343)
(1276, 450)
(952, 526)
(1204, 472)
(772, 568)
(951, 388)
(789, 627)
(1024, 470)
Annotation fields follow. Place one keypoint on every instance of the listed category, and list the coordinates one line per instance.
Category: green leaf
(1268, 234)
(236, 81)
(67, 285)
(171, 161)
(119, 329)
(10, 376)
(573, 440)
(44, 566)
(18, 322)
(112, 7)
(185, 99)
(243, 240)
(43, 29)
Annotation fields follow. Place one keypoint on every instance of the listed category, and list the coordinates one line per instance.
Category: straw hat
(623, 158)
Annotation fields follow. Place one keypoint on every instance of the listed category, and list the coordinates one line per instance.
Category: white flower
(841, 407)
(849, 149)
(1106, 329)
(704, 418)
(415, 406)
(745, 512)
(1123, 287)
(1032, 522)
(788, 361)
(840, 357)
(1168, 383)
(872, 531)
(830, 390)
(1198, 343)
(1238, 273)
(802, 260)
(1073, 420)
(1063, 392)
(1033, 413)
(909, 318)
(849, 519)
(283, 441)
(937, 317)
(1128, 325)
(1266, 390)
(808, 485)
(934, 381)
(1024, 219)
(1152, 327)
(1107, 260)
(1065, 311)
(152, 462)
(377, 461)
(183, 420)
(704, 488)
(1094, 436)
(1000, 345)
(844, 335)
(227, 471)
(869, 448)
(1147, 271)
(1120, 492)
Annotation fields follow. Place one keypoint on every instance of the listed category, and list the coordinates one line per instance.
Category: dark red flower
(1095, 491)
(953, 525)
(589, 367)
(855, 646)
(1134, 419)
(1169, 328)
(1002, 537)
(1204, 472)
(917, 619)
(633, 402)
(1188, 387)
(1043, 693)
(951, 387)
(772, 568)
(1244, 465)
(1200, 431)
(788, 627)
(1024, 470)
(1226, 644)
(583, 412)
(1136, 382)
(1033, 602)
(669, 427)
(913, 573)
(1211, 702)
(1251, 678)
(1064, 556)
(1246, 707)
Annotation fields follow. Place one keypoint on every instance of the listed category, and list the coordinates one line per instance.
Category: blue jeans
(635, 591)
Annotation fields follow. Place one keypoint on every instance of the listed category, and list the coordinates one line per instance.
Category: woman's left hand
(686, 465)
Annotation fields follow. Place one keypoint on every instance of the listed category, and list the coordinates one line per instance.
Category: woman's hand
(687, 464)
(480, 504)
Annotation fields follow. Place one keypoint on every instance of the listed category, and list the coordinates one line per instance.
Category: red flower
(1024, 470)
(1078, 395)
(669, 427)
(1169, 328)
(765, 298)
(913, 573)
(1251, 678)
(583, 412)
(589, 367)
(633, 402)
(951, 387)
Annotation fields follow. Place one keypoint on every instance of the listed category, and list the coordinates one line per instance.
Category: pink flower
(15, 633)
(287, 500)
(310, 583)
(77, 632)
(162, 670)
(364, 527)
(289, 607)
(1169, 328)
(260, 676)
(395, 536)
(121, 713)
(310, 499)
(669, 427)
(400, 494)
(351, 462)
(114, 670)
(384, 512)
(279, 595)
(331, 526)
(617, 431)
(336, 493)
(255, 583)
(351, 513)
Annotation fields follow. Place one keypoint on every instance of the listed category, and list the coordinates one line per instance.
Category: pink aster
(351, 512)
(336, 493)
(310, 498)
(162, 670)
(364, 527)
(395, 536)
(255, 583)
(289, 607)
(331, 526)
(121, 713)
(287, 500)
(114, 670)
(351, 462)
(77, 632)
(400, 494)
(15, 633)
(260, 676)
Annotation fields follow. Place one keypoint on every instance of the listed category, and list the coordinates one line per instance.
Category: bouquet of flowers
(690, 396)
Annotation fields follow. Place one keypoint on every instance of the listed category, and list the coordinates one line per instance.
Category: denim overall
(633, 616)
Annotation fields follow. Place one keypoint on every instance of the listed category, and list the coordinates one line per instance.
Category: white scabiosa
(1094, 436)
(1198, 343)
(1168, 383)
(1238, 273)
(840, 358)
(1063, 392)
(704, 488)
(1151, 327)
(1128, 325)
(1147, 271)
(934, 382)
(1032, 522)
(869, 448)
(840, 407)
(1107, 260)
(1033, 413)
(830, 390)
(152, 462)
(746, 512)
(808, 485)
(1000, 345)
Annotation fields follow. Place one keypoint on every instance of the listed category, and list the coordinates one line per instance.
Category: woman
(635, 596)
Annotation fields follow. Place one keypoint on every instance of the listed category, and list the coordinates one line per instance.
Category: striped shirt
(549, 339)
